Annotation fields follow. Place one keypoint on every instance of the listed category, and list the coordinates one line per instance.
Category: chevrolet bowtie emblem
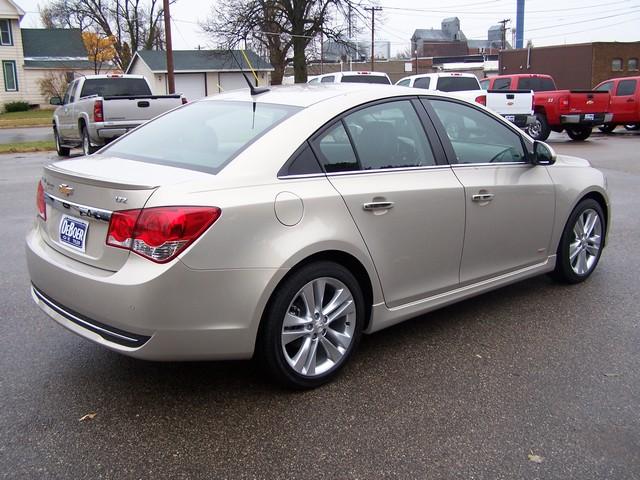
(590, 102)
(65, 189)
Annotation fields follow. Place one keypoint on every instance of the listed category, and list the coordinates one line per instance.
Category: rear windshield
(537, 84)
(115, 87)
(457, 84)
(366, 79)
(201, 136)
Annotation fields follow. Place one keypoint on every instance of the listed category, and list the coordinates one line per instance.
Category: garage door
(191, 85)
(233, 81)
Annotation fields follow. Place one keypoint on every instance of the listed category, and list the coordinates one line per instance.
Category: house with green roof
(200, 73)
(29, 55)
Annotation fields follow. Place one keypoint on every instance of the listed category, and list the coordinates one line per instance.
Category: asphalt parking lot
(466, 392)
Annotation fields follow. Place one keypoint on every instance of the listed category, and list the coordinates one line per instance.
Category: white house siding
(32, 77)
(156, 80)
(12, 52)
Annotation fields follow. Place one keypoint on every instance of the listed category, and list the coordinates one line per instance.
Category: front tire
(312, 326)
(87, 149)
(579, 134)
(62, 151)
(607, 127)
(539, 129)
(581, 243)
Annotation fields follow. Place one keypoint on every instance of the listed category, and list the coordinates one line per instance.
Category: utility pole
(171, 82)
(504, 32)
(373, 37)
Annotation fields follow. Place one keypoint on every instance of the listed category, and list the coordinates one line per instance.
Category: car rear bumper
(152, 311)
(520, 120)
(586, 119)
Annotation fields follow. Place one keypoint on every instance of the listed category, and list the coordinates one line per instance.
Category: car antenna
(254, 90)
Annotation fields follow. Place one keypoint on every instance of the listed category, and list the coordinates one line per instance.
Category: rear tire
(579, 134)
(62, 151)
(312, 326)
(581, 243)
(607, 127)
(632, 127)
(539, 129)
(87, 149)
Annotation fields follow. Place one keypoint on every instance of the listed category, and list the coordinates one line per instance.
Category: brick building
(575, 66)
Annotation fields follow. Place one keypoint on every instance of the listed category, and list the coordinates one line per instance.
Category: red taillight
(159, 233)
(482, 100)
(184, 100)
(42, 206)
(97, 111)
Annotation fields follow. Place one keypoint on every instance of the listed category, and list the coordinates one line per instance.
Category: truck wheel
(539, 129)
(607, 127)
(633, 126)
(579, 133)
(62, 151)
(87, 149)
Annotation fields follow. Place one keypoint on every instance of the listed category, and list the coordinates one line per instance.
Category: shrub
(16, 106)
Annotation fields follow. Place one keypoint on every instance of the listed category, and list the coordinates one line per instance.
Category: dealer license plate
(73, 232)
(589, 116)
(510, 118)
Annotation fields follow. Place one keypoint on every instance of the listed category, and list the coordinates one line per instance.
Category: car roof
(304, 94)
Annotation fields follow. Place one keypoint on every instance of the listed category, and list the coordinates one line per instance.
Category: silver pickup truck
(98, 108)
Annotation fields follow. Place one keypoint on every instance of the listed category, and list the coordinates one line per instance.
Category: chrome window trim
(487, 164)
(82, 210)
(362, 172)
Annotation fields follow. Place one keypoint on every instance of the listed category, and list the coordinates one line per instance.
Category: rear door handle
(482, 197)
(377, 206)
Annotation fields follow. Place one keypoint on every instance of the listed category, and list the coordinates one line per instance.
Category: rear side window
(626, 87)
(201, 136)
(537, 84)
(336, 153)
(366, 79)
(422, 82)
(502, 84)
(303, 163)
(115, 87)
(457, 84)
(484, 84)
(328, 79)
(404, 83)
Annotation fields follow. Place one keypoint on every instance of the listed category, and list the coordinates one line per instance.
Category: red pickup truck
(576, 111)
(624, 104)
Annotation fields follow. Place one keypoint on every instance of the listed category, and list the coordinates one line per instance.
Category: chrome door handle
(377, 206)
(482, 197)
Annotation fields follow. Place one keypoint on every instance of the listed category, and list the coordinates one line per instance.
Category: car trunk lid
(81, 194)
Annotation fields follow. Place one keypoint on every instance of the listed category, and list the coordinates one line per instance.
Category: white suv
(352, 77)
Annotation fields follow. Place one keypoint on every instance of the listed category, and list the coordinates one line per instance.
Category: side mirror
(55, 101)
(543, 154)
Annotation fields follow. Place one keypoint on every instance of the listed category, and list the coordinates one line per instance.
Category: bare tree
(53, 84)
(281, 26)
(134, 24)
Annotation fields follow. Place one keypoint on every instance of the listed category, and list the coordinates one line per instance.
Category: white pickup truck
(98, 108)
(514, 105)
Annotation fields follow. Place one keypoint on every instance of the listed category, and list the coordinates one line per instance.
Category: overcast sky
(547, 22)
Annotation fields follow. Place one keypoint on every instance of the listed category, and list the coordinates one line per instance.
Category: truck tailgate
(510, 102)
(588, 101)
(138, 108)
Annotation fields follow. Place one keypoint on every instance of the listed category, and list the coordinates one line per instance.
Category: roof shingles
(202, 60)
(44, 43)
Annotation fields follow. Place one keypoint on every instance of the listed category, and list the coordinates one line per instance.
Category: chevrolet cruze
(284, 224)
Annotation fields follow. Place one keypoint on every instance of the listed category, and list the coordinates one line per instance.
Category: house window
(632, 64)
(10, 77)
(616, 64)
(5, 32)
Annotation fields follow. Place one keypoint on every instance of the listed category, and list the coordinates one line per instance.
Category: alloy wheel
(586, 243)
(318, 327)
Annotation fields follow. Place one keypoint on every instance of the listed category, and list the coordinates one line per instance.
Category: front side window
(484, 84)
(10, 77)
(616, 64)
(422, 82)
(5, 32)
(632, 64)
(404, 83)
(605, 87)
(477, 137)
(626, 88)
(203, 136)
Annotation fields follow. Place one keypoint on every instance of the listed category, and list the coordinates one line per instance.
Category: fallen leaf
(479, 356)
(88, 416)
(612, 374)
(535, 458)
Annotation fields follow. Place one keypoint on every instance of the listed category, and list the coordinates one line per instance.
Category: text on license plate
(510, 118)
(589, 116)
(73, 232)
